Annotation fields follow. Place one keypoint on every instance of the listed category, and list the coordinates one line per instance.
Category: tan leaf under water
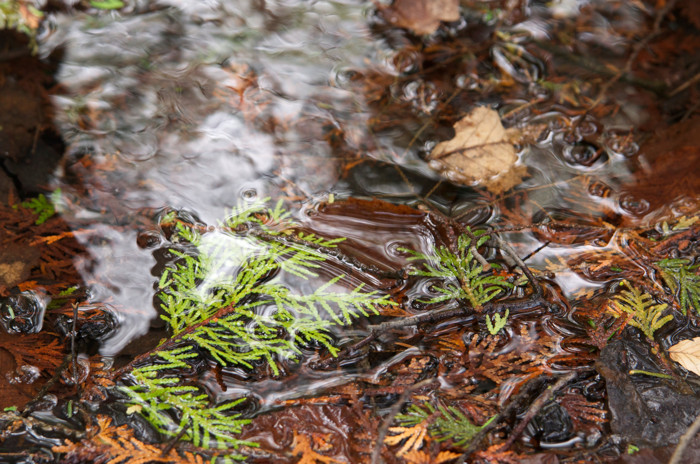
(481, 152)
(687, 354)
(422, 16)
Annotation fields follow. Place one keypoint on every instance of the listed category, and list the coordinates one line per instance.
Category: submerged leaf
(687, 354)
(481, 152)
(422, 16)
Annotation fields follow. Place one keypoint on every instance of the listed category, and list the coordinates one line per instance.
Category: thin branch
(536, 406)
(29, 408)
(685, 441)
(513, 404)
(73, 356)
(431, 317)
(503, 245)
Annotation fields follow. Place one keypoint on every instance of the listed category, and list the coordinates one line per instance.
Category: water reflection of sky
(194, 105)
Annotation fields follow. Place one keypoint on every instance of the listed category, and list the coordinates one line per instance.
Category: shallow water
(195, 107)
(198, 107)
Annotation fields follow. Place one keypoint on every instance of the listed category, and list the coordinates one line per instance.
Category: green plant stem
(652, 374)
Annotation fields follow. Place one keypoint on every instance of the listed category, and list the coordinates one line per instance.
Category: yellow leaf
(687, 354)
(481, 152)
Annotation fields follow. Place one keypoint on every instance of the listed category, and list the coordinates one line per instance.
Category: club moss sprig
(463, 276)
(175, 409)
(643, 312)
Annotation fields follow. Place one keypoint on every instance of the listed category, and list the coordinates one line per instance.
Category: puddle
(174, 112)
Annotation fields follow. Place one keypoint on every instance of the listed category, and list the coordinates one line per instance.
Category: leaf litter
(579, 354)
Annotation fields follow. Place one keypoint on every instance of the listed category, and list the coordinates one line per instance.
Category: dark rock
(646, 411)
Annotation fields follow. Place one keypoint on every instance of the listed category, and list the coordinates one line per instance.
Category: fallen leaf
(422, 16)
(16, 264)
(687, 354)
(481, 152)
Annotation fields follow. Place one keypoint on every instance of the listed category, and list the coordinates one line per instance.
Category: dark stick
(503, 245)
(536, 406)
(431, 318)
(177, 437)
(72, 348)
(531, 386)
(29, 408)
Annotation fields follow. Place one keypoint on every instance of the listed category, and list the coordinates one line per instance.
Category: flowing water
(193, 108)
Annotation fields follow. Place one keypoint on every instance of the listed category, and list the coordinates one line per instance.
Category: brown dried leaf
(415, 436)
(16, 264)
(687, 354)
(421, 457)
(481, 152)
(116, 445)
(302, 445)
(422, 16)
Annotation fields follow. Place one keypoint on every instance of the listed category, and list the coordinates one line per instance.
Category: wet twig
(503, 245)
(395, 409)
(530, 387)
(73, 356)
(536, 406)
(636, 50)
(592, 65)
(29, 407)
(431, 317)
(176, 438)
(685, 441)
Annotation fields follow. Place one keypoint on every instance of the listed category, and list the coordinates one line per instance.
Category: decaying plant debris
(498, 309)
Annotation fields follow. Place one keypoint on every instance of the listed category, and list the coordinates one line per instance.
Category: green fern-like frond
(464, 277)
(228, 276)
(183, 410)
(41, 206)
(445, 423)
(222, 299)
(453, 424)
(682, 278)
(646, 315)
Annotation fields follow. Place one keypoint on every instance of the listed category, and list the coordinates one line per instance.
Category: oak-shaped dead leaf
(687, 354)
(421, 16)
(481, 152)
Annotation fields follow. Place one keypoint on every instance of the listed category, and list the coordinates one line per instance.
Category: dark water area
(152, 121)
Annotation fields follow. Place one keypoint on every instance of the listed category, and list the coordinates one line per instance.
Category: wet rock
(23, 313)
(646, 411)
(551, 425)
(29, 147)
